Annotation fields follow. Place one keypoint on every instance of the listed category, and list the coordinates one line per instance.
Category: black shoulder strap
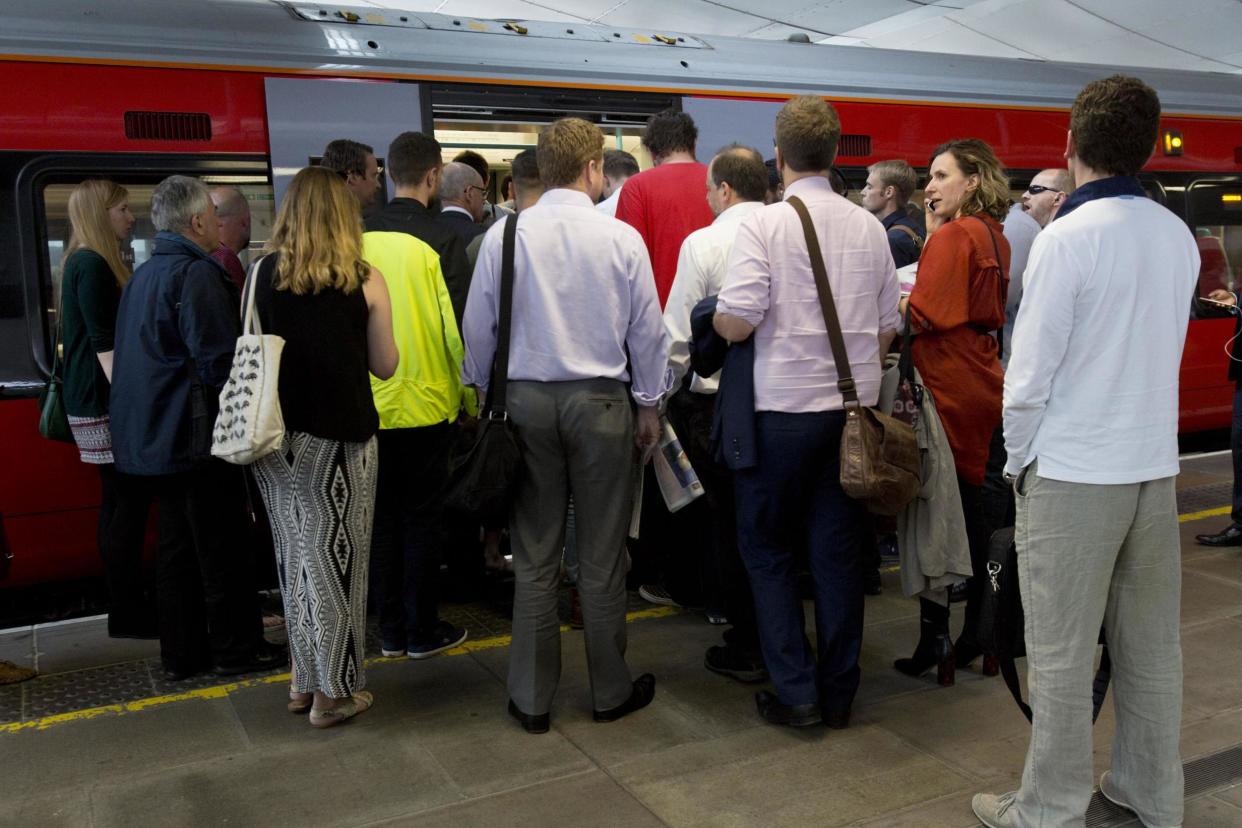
(845, 378)
(500, 363)
(1000, 332)
(1099, 687)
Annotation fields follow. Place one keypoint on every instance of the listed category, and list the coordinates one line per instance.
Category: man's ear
(1071, 149)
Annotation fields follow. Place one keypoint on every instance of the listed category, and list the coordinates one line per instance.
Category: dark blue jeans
(1235, 445)
(790, 501)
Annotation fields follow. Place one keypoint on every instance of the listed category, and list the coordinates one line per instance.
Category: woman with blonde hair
(332, 308)
(92, 276)
(955, 310)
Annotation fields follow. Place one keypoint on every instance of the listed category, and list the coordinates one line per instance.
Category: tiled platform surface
(438, 748)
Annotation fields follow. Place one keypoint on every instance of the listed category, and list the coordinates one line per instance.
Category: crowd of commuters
(697, 301)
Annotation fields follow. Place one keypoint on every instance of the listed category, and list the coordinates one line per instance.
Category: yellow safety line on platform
(221, 691)
(1206, 513)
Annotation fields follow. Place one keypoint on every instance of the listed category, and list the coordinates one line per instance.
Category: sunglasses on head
(1036, 189)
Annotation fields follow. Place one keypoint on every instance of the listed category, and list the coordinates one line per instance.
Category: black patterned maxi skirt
(320, 497)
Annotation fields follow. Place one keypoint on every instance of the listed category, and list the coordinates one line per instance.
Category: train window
(1214, 210)
(256, 189)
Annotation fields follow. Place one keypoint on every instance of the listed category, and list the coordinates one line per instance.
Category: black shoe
(729, 661)
(265, 657)
(839, 720)
(178, 673)
(1232, 536)
(640, 697)
(774, 711)
(531, 724)
(872, 585)
(446, 637)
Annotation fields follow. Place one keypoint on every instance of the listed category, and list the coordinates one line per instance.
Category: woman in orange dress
(955, 310)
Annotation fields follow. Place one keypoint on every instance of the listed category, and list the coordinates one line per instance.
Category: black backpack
(1001, 630)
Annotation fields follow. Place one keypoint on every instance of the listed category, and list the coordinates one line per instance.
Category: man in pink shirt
(792, 497)
(665, 203)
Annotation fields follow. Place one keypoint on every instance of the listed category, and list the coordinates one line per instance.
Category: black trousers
(724, 575)
(125, 505)
(208, 610)
(407, 540)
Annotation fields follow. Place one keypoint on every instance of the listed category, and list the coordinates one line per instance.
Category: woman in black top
(333, 310)
(94, 273)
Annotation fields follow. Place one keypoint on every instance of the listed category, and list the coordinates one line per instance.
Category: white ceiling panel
(683, 16)
(1181, 34)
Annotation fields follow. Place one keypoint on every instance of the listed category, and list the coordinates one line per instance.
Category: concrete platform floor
(438, 748)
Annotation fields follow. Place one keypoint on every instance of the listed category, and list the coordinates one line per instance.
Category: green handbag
(53, 421)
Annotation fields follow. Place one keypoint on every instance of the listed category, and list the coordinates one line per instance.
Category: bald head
(233, 211)
(462, 186)
(1048, 191)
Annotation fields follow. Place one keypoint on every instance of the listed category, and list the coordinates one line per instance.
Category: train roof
(364, 41)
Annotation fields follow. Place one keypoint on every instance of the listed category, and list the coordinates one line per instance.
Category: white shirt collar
(738, 211)
(567, 197)
(453, 208)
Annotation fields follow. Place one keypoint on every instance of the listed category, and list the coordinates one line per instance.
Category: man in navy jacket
(176, 329)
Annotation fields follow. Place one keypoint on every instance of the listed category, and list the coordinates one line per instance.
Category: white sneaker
(656, 594)
(1109, 791)
(991, 809)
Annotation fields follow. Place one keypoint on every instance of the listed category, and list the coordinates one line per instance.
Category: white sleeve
(689, 286)
(1040, 339)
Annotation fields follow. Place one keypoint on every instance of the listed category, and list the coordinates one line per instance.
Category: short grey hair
(176, 201)
(456, 178)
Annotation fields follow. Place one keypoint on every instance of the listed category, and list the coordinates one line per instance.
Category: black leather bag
(53, 420)
(482, 478)
(1001, 630)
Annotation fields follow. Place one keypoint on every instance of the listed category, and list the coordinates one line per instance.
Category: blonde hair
(975, 157)
(318, 234)
(565, 146)
(89, 204)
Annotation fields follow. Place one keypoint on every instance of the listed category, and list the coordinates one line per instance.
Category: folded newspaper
(679, 483)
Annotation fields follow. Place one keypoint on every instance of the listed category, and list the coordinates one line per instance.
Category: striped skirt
(320, 496)
(94, 438)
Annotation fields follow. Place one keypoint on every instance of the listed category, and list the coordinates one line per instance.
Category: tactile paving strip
(132, 681)
(11, 702)
(82, 689)
(1201, 498)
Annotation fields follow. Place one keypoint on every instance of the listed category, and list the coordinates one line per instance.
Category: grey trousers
(576, 437)
(1092, 554)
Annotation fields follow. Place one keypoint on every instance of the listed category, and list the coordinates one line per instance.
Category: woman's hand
(932, 221)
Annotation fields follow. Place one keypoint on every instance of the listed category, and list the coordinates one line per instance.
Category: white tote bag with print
(250, 424)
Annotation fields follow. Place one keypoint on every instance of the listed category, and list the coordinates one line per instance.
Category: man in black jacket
(415, 166)
(1231, 535)
(461, 201)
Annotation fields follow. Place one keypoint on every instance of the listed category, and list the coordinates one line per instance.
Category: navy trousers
(790, 501)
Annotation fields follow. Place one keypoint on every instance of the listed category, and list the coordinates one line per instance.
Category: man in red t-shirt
(668, 202)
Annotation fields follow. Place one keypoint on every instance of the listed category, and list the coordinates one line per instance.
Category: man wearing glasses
(1038, 206)
(462, 197)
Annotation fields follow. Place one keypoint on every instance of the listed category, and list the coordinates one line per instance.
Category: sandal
(359, 702)
(300, 702)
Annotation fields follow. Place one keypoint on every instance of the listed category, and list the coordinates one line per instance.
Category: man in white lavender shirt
(1091, 404)
(737, 182)
(586, 321)
(792, 498)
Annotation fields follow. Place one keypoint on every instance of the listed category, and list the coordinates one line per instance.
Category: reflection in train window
(256, 189)
(1215, 213)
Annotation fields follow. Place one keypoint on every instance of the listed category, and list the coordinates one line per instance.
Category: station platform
(98, 738)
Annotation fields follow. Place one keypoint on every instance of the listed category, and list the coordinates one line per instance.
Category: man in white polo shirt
(1091, 431)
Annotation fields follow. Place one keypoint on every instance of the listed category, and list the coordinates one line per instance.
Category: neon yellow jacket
(427, 388)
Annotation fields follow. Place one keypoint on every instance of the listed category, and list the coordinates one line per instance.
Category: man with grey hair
(461, 200)
(233, 211)
(175, 333)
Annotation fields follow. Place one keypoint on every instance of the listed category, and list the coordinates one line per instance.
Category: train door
(304, 115)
